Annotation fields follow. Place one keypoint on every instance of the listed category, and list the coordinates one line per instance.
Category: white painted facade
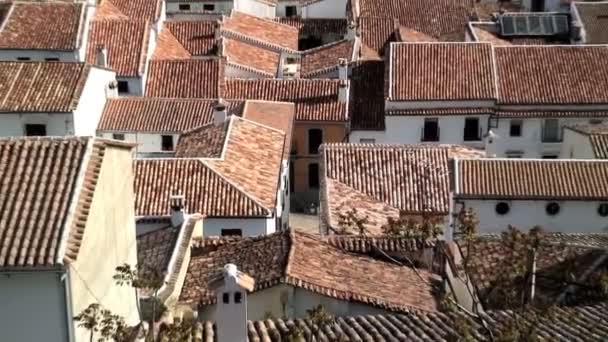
(148, 144)
(282, 8)
(263, 9)
(198, 7)
(576, 146)
(549, 5)
(235, 71)
(573, 216)
(325, 9)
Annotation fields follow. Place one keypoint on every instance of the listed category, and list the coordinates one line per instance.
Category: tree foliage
(407, 226)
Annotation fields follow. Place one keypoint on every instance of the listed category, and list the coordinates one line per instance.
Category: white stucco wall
(283, 195)
(136, 87)
(84, 39)
(573, 217)
(325, 9)
(576, 146)
(281, 7)
(197, 6)
(146, 142)
(356, 136)
(92, 100)
(550, 5)
(39, 55)
(57, 124)
(250, 226)
(33, 307)
(256, 8)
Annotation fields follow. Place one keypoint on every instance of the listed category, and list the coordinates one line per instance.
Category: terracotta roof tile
(370, 244)
(408, 35)
(41, 87)
(193, 78)
(315, 99)
(132, 9)
(440, 112)
(148, 114)
(251, 56)
(532, 179)
(126, 42)
(278, 115)
(43, 26)
(377, 33)
(305, 261)
(184, 39)
(262, 30)
(551, 114)
(325, 57)
(169, 47)
(539, 74)
(367, 95)
(316, 26)
(594, 17)
(203, 142)
(431, 71)
(598, 138)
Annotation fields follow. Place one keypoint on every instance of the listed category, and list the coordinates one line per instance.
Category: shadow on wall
(305, 202)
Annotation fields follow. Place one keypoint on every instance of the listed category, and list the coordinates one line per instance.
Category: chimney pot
(343, 69)
(177, 204)
(220, 113)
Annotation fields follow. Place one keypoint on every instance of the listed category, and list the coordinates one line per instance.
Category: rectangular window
(430, 131)
(166, 142)
(471, 129)
(226, 297)
(551, 130)
(291, 11)
(367, 141)
(118, 136)
(550, 156)
(315, 139)
(514, 154)
(52, 59)
(184, 7)
(209, 7)
(232, 232)
(23, 59)
(313, 176)
(238, 297)
(35, 130)
(291, 176)
(515, 128)
(123, 87)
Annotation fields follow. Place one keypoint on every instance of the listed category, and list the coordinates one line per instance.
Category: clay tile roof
(278, 115)
(251, 56)
(315, 99)
(307, 262)
(377, 33)
(149, 114)
(126, 42)
(41, 87)
(131, 9)
(325, 58)
(408, 35)
(532, 179)
(203, 142)
(434, 71)
(439, 111)
(261, 31)
(366, 105)
(530, 113)
(316, 26)
(205, 190)
(594, 17)
(598, 138)
(184, 39)
(44, 192)
(370, 244)
(435, 18)
(380, 180)
(43, 26)
(538, 74)
(192, 78)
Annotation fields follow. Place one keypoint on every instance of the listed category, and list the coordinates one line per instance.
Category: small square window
(291, 11)
(118, 136)
(123, 87)
(184, 7)
(232, 232)
(238, 297)
(208, 7)
(35, 130)
(550, 156)
(23, 59)
(367, 141)
(515, 128)
(226, 297)
(52, 59)
(166, 142)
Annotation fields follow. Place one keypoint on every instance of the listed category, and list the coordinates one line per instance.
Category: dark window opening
(551, 130)
(315, 139)
(184, 7)
(502, 208)
(118, 136)
(430, 131)
(167, 143)
(309, 43)
(232, 232)
(23, 58)
(538, 5)
(471, 129)
(515, 129)
(602, 209)
(52, 59)
(208, 7)
(123, 87)
(226, 297)
(291, 11)
(313, 176)
(550, 156)
(291, 177)
(35, 130)
(552, 208)
(238, 297)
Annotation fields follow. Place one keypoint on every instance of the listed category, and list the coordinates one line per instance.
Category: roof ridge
(250, 69)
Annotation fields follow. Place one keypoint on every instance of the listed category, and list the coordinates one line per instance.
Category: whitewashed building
(569, 196)
(588, 21)
(585, 142)
(188, 9)
(59, 98)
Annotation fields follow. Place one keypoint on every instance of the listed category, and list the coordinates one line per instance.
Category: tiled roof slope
(251, 56)
(206, 191)
(598, 138)
(531, 113)
(265, 31)
(41, 87)
(192, 78)
(132, 9)
(126, 42)
(552, 74)
(315, 99)
(184, 39)
(594, 17)
(366, 105)
(436, 18)
(278, 115)
(307, 262)
(316, 26)
(432, 71)
(377, 33)
(149, 114)
(43, 26)
(203, 142)
(325, 58)
(532, 179)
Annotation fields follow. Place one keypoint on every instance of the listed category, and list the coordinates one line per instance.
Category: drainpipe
(65, 280)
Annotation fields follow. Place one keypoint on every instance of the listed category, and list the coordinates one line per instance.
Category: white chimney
(231, 307)
(491, 143)
(220, 113)
(343, 91)
(343, 69)
(101, 58)
(177, 203)
(217, 29)
(351, 31)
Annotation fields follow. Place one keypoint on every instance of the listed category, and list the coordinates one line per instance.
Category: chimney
(491, 143)
(177, 203)
(217, 29)
(351, 31)
(220, 113)
(342, 69)
(231, 308)
(343, 91)
(101, 58)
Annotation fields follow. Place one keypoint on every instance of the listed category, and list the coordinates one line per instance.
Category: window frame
(209, 5)
(184, 7)
(238, 297)
(423, 137)
(226, 297)
(122, 87)
(118, 136)
(516, 123)
(43, 126)
(477, 136)
(162, 143)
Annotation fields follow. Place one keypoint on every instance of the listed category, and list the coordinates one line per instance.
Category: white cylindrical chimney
(343, 91)
(343, 69)
(176, 204)
(101, 57)
(220, 113)
(351, 31)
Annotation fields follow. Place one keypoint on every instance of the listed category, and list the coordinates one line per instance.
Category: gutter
(65, 280)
